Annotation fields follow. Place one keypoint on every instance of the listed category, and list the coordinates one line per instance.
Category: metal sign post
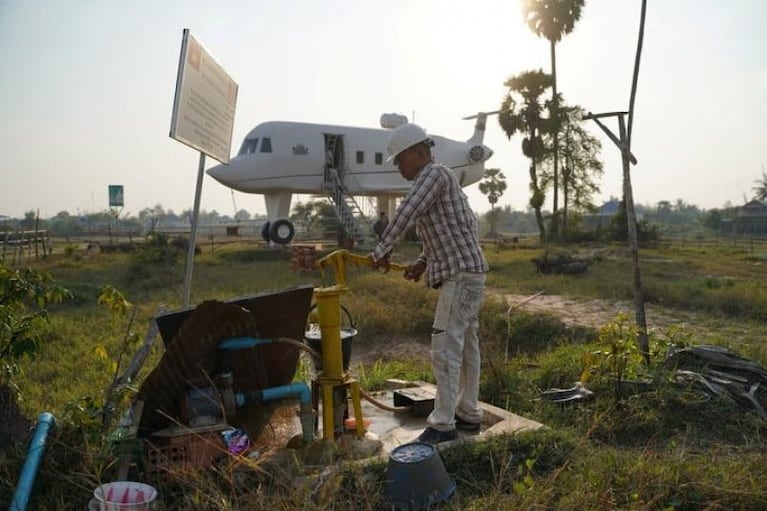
(203, 118)
(193, 233)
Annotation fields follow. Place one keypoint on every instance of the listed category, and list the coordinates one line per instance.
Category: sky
(87, 88)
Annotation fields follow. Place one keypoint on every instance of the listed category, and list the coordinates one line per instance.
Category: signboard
(116, 197)
(204, 104)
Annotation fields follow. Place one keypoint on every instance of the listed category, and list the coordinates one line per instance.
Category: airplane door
(334, 153)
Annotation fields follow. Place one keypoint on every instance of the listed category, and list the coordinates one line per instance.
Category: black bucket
(313, 338)
(416, 478)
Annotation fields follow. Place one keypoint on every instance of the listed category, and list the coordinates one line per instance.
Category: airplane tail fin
(479, 126)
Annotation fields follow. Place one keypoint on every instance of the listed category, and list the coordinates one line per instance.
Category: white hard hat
(404, 137)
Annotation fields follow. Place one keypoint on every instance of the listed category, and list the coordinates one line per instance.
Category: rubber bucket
(124, 496)
(416, 477)
(313, 338)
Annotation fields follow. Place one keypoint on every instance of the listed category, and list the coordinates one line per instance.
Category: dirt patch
(699, 327)
(392, 350)
(594, 313)
(570, 311)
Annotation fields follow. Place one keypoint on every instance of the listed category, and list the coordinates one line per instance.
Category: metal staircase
(352, 218)
(349, 213)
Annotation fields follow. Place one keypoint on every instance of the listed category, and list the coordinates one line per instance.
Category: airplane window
(379, 158)
(248, 146)
(266, 145)
(360, 157)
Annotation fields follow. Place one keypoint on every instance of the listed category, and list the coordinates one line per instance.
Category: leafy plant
(621, 359)
(119, 391)
(526, 482)
(24, 298)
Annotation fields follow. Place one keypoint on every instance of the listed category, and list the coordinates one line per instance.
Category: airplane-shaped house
(278, 159)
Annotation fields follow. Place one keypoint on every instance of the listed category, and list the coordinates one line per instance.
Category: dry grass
(651, 451)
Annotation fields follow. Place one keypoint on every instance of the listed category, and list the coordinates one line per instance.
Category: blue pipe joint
(239, 343)
(297, 389)
(45, 422)
(301, 390)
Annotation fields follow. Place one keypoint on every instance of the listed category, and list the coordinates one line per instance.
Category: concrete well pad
(390, 428)
(396, 428)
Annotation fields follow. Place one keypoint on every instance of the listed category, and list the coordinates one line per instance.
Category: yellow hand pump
(329, 312)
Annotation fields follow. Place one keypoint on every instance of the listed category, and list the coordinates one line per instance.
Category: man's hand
(414, 271)
(382, 265)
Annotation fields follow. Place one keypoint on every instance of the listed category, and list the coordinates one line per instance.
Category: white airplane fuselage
(280, 158)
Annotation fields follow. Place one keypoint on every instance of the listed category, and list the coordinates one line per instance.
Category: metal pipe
(237, 343)
(34, 454)
(299, 389)
(296, 389)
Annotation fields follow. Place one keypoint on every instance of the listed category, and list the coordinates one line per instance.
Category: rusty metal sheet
(192, 356)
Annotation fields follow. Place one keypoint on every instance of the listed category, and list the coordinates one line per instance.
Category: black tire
(265, 231)
(282, 232)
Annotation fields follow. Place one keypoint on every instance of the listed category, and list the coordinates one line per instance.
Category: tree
(713, 220)
(304, 214)
(30, 220)
(493, 185)
(151, 215)
(552, 19)
(581, 166)
(760, 190)
(521, 113)
(242, 215)
(64, 224)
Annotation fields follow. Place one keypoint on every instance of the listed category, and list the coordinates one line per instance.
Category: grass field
(655, 450)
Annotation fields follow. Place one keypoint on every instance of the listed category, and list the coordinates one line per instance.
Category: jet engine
(478, 153)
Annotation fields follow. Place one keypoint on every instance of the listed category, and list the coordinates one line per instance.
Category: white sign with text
(205, 101)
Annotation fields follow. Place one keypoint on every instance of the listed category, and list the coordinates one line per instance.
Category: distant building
(601, 219)
(752, 217)
(609, 208)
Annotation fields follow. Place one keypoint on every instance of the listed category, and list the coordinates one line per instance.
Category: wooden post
(626, 157)
(37, 225)
(628, 197)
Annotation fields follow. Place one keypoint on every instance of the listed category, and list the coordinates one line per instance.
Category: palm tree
(493, 185)
(760, 190)
(552, 19)
(521, 113)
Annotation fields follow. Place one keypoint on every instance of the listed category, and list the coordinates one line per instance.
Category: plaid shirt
(444, 222)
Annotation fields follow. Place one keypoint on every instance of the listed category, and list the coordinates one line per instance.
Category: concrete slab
(397, 428)
(390, 428)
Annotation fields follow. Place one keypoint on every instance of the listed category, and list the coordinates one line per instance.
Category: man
(452, 261)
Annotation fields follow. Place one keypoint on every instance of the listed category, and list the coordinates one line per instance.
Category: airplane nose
(225, 174)
(216, 171)
(236, 175)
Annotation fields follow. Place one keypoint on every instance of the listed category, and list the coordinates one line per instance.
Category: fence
(16, 246)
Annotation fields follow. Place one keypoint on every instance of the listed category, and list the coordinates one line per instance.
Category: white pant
(455, 351)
